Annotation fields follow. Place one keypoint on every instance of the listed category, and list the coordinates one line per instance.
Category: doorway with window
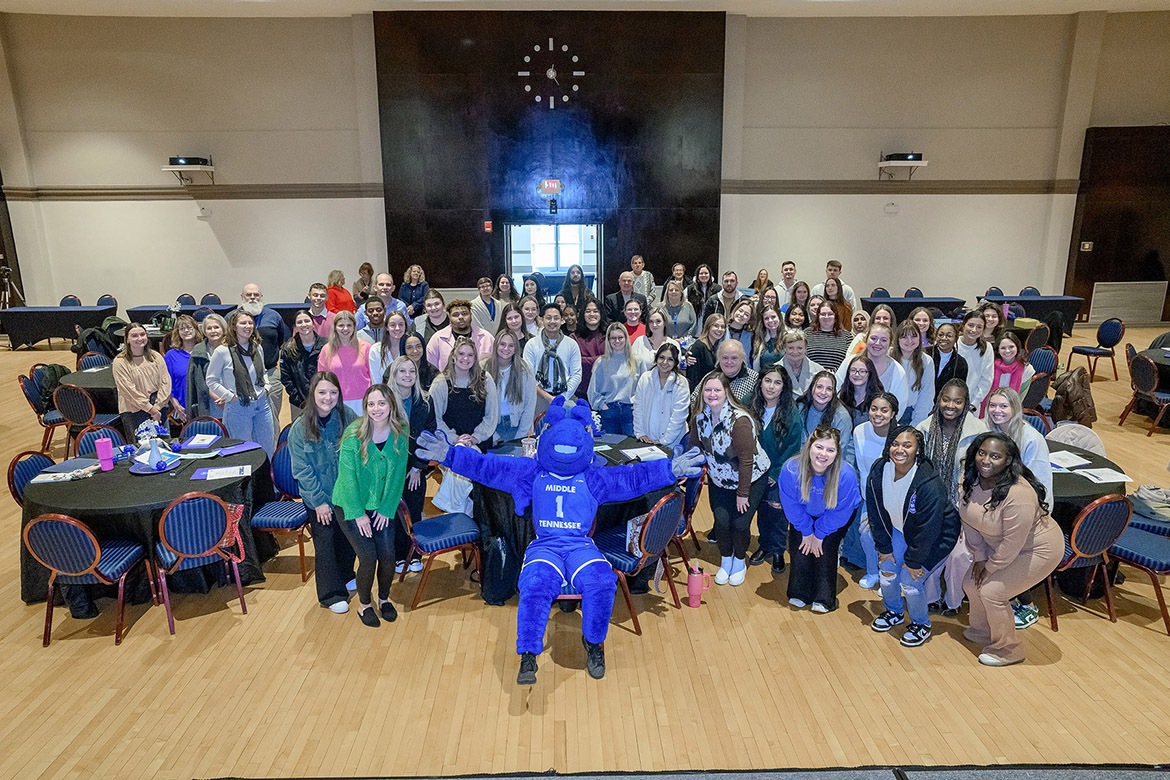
(551, 249)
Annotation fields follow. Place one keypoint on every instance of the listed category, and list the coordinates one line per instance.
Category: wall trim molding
(198, 192)
(874, 187)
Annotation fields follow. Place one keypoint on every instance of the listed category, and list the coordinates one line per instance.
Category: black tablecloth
(100, 385)
(1038, 307)
(503, 531)
(145, 314)
(1072, 494)
(903, 306)
(26, 325)
(121, 505)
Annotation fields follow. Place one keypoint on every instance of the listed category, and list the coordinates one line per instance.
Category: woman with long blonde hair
(614, 379)
(465, 398)
(515, 387)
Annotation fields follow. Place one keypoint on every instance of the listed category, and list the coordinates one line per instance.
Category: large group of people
(898, 447)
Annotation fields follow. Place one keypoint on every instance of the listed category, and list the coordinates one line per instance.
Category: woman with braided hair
(949, 430)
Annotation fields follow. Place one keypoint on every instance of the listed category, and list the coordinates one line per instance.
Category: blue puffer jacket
(314, 463)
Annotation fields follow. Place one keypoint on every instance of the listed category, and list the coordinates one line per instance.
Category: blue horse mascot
(564, 484)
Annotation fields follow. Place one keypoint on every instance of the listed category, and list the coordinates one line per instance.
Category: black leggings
(373, 553)
(814, 580)
(732, 530)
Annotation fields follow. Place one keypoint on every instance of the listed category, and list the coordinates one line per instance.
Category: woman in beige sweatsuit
(1014, 541)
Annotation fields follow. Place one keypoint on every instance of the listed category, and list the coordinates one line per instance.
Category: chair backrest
(186, 299)
(1100, 525)
(1130, 352)
(209, 298)
(31, 394)
(283, 437)
(107, 300)
(403, 515)
(1110, 333)
(74, 403)
(1016, 311)
(993, 291)
(87, 440)
(1067, 432)
(913, 292)
(1043, 360)
(1037, 391)
(1037, 422)
(1030, 292)
(1143, 375)
(880, 292)
(23, 468)
(70, 300)
(92, 360)
(201, 313)
(1037, 338)
(193, 525)
(282, 473)
(203, 425)
(62, 544)
(693, 490)
(661, 524)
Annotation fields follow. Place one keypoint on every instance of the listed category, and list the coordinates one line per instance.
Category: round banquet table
(119, 505)
(505, 535)
(100, 386)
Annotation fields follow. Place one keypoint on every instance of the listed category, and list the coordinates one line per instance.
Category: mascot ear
(556, 411)
(582, 414)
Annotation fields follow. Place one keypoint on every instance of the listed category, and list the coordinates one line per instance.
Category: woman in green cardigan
(370, 478)
(781, 435)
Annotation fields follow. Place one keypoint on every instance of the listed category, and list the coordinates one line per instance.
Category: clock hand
(552, 74)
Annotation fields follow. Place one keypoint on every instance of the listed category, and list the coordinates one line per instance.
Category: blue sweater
(811, 517)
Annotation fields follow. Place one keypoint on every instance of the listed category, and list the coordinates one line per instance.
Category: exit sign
(550, 187)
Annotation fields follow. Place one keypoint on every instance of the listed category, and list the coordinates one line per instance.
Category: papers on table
(200, 440)
(224, 472)
(645, 453)
(244, 447)
(1067, 460)
(167, 456)
(1101, 476)
(62, 476)
(601, 447)
(93, 370)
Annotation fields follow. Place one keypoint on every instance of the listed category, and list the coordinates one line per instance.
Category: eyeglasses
(859, 371)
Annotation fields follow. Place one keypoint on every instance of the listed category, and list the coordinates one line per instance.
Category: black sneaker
(389, 614)
(368, 616)
(527, 675)
(934, 607)
(887, 620)
(711, 537)
(778, 564)
(594, 659)
(950, 612)
(916, 634)
(759, 556)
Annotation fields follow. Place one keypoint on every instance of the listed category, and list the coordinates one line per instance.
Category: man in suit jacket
(615, 303)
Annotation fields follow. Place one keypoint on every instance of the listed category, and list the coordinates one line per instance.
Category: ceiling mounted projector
(903, 157)
(190, 161)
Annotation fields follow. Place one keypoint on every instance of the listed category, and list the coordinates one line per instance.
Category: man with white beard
(273, 333)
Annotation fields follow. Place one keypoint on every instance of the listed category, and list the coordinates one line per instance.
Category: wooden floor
(743, 682)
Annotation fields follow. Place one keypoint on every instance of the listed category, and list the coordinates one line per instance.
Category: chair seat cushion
(53, 418)
(612, 544)
(1158, 396)
(1092, 351)
(445, 532)
(117, 558)
(280, 515)
(1153, 525)
(168, 558)
(1143, 548)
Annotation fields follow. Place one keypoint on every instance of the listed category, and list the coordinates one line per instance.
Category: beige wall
(1133, 81)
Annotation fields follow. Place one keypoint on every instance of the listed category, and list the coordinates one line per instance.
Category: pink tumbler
(105, 453)
(697, 582)
(1006, 312)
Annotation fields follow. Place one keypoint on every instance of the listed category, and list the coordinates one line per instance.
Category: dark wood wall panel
(639, 147)
(1123, 207)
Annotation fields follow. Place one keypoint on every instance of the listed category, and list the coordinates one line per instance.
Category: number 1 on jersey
(561, 507)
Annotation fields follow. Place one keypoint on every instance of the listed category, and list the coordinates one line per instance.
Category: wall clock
(551, 74)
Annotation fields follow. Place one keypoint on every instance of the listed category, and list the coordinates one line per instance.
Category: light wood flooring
(744, 682)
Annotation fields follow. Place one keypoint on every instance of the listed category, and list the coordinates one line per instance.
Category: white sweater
(980, 370)
(660, 413)
(920, 401)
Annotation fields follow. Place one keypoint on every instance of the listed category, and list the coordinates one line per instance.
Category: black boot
(527, 674)
(594, 659)
(778, 563)
(759, 556)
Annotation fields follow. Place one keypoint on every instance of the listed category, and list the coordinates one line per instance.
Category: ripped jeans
(897, 583)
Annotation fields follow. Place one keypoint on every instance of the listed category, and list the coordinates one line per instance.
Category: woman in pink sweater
(348, 357)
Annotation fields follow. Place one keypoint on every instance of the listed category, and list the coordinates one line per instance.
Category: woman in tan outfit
(1014, 541)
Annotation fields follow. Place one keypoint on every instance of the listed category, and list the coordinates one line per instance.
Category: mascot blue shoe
(564, 484)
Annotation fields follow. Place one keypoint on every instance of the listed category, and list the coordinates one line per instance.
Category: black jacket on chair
(956, 368)
(932, 523)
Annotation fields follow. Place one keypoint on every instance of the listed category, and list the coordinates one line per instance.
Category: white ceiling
(182, 8)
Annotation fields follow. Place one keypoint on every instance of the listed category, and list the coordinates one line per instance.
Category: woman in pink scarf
(1011, 369)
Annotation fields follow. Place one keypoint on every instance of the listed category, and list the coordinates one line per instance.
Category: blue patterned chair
(913, 292)
(993, 290)
(1029, 292)
(879, 292)
(186, 299)
(86, 442)
(692, 490)
(283, 437)
(49, 419)
(1149, 551)
(657, 532)
(73, 556)
(1043, 360)
(208, 426)
(1109, 335)
(93, 360)
(1096, 529)
(1038, 422)
(107, 300)
(23, 468)
(1037, 338)
(70, 300)
(433, 536)
(209, 299)
(197, 529)
(77, 407)
(287, 515)
(1143, 378)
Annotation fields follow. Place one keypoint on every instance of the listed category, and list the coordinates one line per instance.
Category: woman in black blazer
(948, 363)
(402, 377)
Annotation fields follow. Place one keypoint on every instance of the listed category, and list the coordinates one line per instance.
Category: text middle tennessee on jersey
(563, 506)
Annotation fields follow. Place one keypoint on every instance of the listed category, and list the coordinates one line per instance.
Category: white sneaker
(870, 581)
(819, 608)
(797, 603)
(339, 608)
(352, 585)
(738, 577)
(398, 567)
(721, 576)
(416, 564)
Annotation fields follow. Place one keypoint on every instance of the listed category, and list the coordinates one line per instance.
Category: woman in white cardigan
(662, 400)
(515, 388)
(980, 357)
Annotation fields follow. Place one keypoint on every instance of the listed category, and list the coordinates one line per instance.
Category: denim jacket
(314, 463)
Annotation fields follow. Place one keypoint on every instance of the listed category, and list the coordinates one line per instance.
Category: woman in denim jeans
(915, 526)
(614, 379)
